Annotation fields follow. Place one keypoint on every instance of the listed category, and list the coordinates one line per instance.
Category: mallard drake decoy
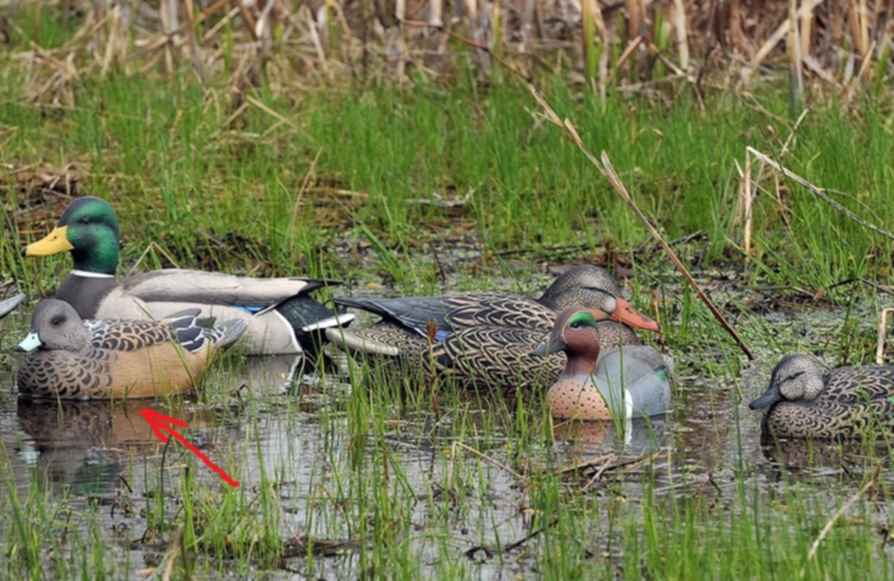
(69, 358)
(410, 324)
(632, 381)
(806, 399)
(280, 314)
(9, 305)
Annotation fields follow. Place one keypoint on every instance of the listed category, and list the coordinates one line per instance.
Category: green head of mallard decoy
(55, 325)
(88, 229)
(796, 377)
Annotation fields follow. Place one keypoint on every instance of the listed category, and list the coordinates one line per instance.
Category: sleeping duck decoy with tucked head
(806, 399)
(409, 324)
(280, 314)
(628, 382)
(69, 358)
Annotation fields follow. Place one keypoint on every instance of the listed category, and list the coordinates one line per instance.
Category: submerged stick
(605, 168)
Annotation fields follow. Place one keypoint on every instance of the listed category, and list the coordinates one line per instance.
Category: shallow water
(101, 458)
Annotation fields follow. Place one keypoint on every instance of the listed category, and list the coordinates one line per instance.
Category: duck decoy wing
(498, 357)
(9, 305)
(859, 385)
(132, 335)
(176, 285)
(414, 313)
(640, 371)
(502, 311)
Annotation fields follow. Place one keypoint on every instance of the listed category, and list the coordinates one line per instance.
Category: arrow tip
(160, 423)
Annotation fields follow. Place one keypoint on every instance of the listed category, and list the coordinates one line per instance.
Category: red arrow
(161, 423)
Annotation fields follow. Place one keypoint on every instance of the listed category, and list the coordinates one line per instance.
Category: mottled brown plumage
(807, 400)
(487, 339)
(74, 359)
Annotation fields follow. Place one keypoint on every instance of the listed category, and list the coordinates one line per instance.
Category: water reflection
(86, 445)
(636, 437)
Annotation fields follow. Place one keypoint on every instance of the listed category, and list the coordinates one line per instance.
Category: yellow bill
(53, 243)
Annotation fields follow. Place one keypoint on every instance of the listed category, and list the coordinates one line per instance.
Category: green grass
(233, 198)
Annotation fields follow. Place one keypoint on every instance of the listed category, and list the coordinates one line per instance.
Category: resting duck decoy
(628, 382)
(506, 358)
(806, 399)
(70, 358)
(279, 312)
(488, 339)
(410, 324)
(9, 305)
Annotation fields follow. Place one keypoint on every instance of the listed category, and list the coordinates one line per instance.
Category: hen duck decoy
(69, 358)
(806, 399)
(408, 325)
(628, 382)
(280, 315)
(506, 358)
(488, 339)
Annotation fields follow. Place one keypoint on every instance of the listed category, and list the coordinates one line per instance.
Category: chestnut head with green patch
(575, 333)
(88, 229)
(796, 377)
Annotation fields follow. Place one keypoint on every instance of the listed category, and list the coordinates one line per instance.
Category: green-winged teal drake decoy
(69, 358)
(627, 382)
(280, 314)
(9, 305)
(488, 339)
(806, 399)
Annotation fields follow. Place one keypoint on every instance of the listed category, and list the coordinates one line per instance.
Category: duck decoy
(70, 358)
(9, 305)
(805, 399)
(628, 382)
(488, 339)
(410, 324)
(506, 358)
(280, 314)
